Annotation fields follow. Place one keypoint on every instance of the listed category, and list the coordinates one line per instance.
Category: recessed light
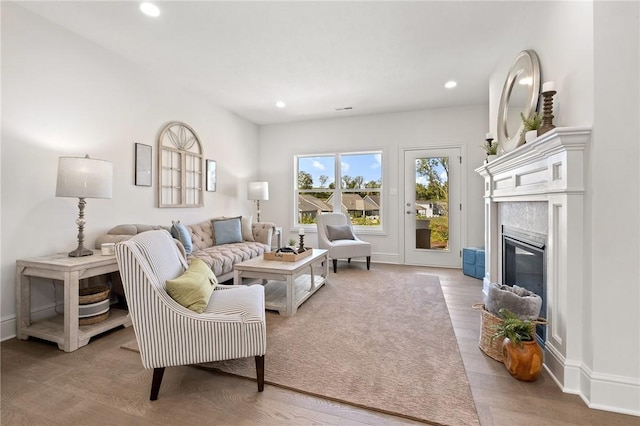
(280, 104)
(150, 9)
(450, 84)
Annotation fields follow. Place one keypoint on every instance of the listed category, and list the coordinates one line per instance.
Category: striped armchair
(232, 326)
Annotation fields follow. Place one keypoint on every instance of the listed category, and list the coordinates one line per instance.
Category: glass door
(432, 207)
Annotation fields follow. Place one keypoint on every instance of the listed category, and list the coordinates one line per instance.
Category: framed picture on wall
(143, 165)
(211, 175)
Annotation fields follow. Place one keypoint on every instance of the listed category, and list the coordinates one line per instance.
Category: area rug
(378, 339)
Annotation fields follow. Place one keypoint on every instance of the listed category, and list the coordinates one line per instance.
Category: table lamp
(83, 177)
(258, 191)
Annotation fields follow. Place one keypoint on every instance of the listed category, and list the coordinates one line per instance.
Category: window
(358, 192)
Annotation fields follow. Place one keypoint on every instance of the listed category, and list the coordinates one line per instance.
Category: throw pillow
(193, 288)
(182, 234)
(339, 232)
(247, 228)
(227, 231)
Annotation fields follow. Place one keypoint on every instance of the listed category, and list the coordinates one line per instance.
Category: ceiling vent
(344, 109)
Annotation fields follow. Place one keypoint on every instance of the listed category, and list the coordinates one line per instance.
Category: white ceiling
(315, 56)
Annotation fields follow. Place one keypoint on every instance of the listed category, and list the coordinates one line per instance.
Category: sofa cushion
(182, 234)
(339, 232)
(193, 288)
(247, 228)
(201, 235)
(222, 258)
(227, 231)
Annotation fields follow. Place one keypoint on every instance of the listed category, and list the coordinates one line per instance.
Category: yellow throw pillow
(193, 288)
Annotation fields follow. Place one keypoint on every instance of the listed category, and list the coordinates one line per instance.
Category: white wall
(464, 126)
(613, 202)
(564, 44)
(591, 51)
(63, 95)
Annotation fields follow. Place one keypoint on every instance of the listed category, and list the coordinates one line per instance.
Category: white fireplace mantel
(552, 163)
(550, 169)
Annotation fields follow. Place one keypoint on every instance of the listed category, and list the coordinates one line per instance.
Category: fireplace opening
(524, 264)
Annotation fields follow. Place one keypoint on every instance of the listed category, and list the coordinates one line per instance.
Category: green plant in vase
(491, 148)
(533, 122)
(513, 328)
(522, 356)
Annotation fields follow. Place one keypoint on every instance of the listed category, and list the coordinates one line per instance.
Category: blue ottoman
(473, 262)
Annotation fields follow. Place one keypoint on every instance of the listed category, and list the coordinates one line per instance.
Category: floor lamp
(258, 191)
(82, 178)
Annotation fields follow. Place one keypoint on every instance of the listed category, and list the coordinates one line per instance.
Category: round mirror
(519, 95)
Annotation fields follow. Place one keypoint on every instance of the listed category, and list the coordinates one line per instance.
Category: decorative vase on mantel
(530, 136)
(523, 360)
(490, 158)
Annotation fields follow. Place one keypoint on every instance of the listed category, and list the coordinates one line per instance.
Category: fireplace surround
(546, 175)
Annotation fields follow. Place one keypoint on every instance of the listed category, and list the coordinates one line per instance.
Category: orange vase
(524, 362)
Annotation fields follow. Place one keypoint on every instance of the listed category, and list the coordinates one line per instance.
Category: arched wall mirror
(519, 95)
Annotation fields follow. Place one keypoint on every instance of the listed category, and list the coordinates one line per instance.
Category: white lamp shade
(86, 177)
(258, 191)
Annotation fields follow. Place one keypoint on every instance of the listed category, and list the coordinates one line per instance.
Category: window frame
(338, 191)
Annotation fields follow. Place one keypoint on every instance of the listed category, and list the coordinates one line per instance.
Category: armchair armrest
(263, 232)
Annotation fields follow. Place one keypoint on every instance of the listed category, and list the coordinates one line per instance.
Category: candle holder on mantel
(490, 147)
(547, 112)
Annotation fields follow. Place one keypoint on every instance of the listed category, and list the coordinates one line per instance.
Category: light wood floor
(104, 384)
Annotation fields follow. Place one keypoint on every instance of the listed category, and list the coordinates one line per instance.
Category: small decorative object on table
(301, 244)
(287, 254)
(531, 125)
(108, 249)
(548, 90)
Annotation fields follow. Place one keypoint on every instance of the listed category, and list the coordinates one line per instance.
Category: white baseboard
(393, 258)
(618, 394)
(8, 328)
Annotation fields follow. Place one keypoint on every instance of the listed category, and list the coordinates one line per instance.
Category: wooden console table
(63, 329)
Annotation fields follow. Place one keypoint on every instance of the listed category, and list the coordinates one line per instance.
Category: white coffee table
(288, 284)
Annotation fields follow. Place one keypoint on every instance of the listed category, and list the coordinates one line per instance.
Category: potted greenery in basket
(531, 124)
(522, 356)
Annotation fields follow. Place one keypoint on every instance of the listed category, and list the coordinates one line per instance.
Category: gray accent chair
(335, 234)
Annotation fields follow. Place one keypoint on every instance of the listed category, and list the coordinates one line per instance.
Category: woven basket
(487, 329)
(93, 294)
(491, 349)
(94, 319)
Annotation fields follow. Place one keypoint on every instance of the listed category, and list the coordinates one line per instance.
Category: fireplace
(546, 178)
(524, 264)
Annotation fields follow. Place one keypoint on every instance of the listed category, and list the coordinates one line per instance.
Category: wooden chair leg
(155, 384)
(335, 265)
(368, 262)
(260, 372)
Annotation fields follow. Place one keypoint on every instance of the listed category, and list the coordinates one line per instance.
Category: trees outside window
(358, 194)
